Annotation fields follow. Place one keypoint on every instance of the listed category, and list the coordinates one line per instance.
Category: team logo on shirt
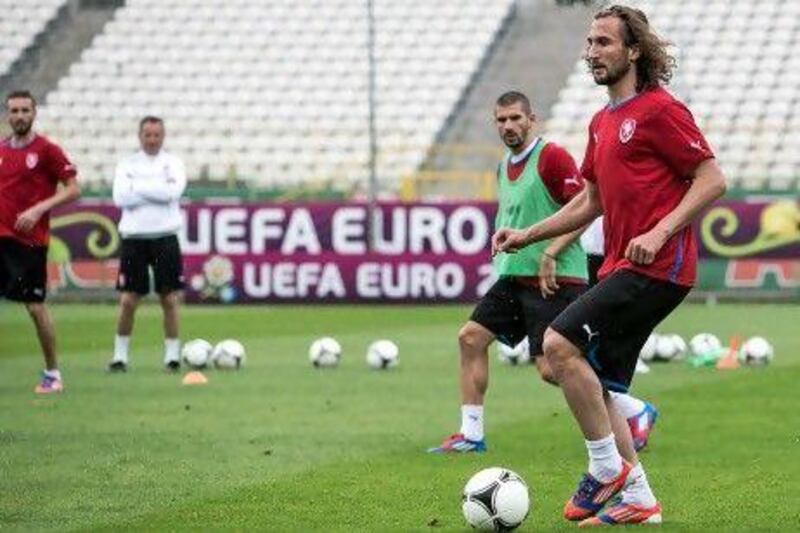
(626, 130)
(31, 159)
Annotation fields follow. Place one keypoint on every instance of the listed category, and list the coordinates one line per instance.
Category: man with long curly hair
(649, 171)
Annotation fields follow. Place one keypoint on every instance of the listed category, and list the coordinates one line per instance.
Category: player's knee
(471, 339)
(129, 301)
(548, 376)
(36, 310)
(545, 370)
(556, 347)
(170, 300)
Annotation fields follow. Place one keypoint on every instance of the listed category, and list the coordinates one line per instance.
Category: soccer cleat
(642, 424)
(458, 443)
(593, 494)
(117, 366)
(171, 367)
(49, 385)
(625, 513)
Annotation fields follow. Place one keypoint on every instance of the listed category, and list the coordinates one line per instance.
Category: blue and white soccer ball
(229, 355)
(669, 347)
(495, 499)
(518, 355)
(196, 353)
(325, 352)
(383, 354)
(681, 348)
(704, 344)
(756, 351)
(648, 351)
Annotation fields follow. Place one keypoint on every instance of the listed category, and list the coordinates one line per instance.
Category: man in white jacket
(147, 188)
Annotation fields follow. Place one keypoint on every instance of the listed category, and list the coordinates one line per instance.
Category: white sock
(637, 490)
(605, 462)
(55, 373)
(472, 422)
(121, 343)
(629, 406)
(172, 349)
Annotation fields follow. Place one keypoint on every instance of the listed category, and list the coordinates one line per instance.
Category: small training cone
(194, 378)
(731, 360)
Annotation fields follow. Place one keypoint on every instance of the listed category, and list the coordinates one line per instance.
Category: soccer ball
(495, 499)
(228, 355)
(666, 348)
(196, 353)
(704, 343)
(680, 346)
(325, 352)
(383, 354)
(648, 351)
(518, 355)
(756, 351)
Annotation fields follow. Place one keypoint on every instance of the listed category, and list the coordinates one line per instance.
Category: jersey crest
(626, 130)
(31, 159)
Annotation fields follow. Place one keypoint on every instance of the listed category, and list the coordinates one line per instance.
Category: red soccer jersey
(641, 155)
(29, 175)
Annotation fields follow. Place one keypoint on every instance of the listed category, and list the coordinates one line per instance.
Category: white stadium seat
(20, 23)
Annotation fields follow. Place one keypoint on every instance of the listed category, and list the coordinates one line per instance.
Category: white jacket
(148, 190)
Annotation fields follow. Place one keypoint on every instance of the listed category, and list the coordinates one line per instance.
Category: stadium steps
(58, 46)
(535, 55)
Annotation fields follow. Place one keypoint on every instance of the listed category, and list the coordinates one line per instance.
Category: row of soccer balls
(226, 355)
(666, 347)
(325, 352)
(755, 351)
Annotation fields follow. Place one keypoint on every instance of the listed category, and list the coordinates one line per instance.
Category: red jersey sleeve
(559, 173)
(674, 135)
(58, 164)
(587, 166)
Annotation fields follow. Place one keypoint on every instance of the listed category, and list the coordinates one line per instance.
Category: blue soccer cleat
(592, 494)
(458, 443)
(642, 424)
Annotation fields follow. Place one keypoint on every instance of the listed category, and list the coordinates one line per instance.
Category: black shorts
(513, 311)
(594, 263)
(23, 271)
(137, 256)
(611, 322)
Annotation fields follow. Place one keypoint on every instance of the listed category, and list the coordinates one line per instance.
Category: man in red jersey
(650, 172)
(31, 167)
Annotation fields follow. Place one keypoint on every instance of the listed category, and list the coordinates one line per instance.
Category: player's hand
(508, 240)
(547, 276)
(27, 219)
(642, 250)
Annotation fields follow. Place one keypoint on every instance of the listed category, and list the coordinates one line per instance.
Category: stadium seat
(272, 68)
(20, 23)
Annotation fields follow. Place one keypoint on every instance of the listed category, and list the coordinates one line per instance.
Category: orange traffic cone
(731, 360)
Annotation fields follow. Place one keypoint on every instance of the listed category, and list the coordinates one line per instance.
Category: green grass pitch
(281, 446)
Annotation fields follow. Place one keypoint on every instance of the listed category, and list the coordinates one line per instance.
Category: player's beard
(513, 141)
(22, 127)
(613, 73)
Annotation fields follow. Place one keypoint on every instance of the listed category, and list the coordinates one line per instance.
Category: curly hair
(655, 64)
